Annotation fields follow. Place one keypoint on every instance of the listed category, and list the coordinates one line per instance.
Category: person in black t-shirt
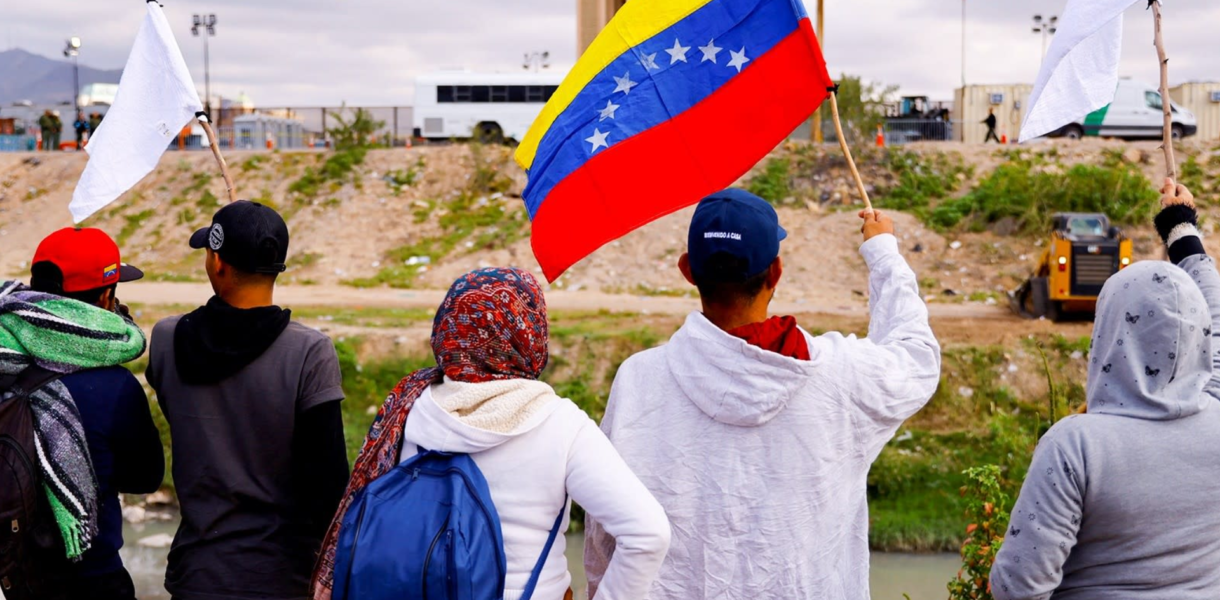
(252, 399)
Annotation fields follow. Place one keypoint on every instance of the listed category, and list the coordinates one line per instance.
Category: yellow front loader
(1084, 251)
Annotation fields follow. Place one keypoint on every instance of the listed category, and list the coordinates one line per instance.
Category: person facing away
(1118, 502)
(124, 444)
(991, 123)
(536, 449)
(253, 404)
(756, 436)
(95, 121)
(81, 126)
(46, 124)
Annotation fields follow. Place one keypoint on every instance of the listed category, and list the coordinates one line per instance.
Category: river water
(921, 576)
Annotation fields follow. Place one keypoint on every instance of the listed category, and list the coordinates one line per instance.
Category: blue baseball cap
(737, 223)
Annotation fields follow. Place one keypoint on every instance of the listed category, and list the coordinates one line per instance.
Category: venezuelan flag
(675, 99)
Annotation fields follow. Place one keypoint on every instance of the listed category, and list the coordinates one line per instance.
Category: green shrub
(986, 509)
(773, 183)
(1029, 196)
(921, 179)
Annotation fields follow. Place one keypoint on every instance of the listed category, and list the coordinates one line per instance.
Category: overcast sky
(323, 52)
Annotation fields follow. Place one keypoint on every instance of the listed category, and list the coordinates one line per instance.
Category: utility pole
(208, 23)
(817, 115)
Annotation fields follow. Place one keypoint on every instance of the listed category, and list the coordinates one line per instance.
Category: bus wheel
(488, 133)
(1073, 132)
(1178, 132)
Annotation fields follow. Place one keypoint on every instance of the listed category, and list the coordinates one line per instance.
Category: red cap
(88, 259)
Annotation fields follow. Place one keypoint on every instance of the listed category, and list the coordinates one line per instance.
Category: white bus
(484, 106)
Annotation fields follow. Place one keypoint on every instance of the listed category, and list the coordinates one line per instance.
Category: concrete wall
(970, 107)
(1197, 98)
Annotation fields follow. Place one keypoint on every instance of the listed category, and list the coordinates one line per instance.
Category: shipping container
(972, 102)
(1203, 99)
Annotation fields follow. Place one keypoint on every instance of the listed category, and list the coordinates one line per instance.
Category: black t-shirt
(246, 531)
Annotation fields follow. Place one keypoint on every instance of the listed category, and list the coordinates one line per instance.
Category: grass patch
(253, 163)
(131, 224)
(921, 180)
(366, 317)
(773, 182)
(334, 171)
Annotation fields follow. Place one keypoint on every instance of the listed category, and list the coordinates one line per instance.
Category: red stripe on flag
(679, 162)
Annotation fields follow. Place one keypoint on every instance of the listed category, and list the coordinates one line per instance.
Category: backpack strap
(546, 551)
(29, 381)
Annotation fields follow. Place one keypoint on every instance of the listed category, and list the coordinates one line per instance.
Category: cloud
(323, 52)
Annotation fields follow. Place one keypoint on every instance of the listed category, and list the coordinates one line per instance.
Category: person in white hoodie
(535, 449)
(756, 436)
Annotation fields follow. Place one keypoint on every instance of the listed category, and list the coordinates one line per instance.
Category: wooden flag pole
(851, 163)
(220, 159)
(1171, 167)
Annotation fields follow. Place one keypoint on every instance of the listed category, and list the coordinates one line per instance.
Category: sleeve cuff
(334, 394)
(878, 248)
(1172, 217)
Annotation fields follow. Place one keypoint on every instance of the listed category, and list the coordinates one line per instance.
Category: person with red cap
(124, 444)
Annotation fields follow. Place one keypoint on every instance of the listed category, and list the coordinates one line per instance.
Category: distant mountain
(42, 80)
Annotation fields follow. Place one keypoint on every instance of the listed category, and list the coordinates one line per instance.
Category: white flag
(1080, 73)
(156, 99)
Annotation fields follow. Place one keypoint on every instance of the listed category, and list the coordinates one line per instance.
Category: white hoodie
(761, 460)
(534, 447)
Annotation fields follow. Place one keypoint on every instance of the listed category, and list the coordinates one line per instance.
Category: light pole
(963, 45)
(72, 50)
(208, 24)
(1046, 29)
(537, 61)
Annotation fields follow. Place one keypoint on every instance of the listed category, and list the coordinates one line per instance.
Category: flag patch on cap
(111, 271)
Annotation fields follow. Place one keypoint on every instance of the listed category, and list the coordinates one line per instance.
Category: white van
(1136, 113)
(489, 107)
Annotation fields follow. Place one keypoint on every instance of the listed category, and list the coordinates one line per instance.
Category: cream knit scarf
(496, 406)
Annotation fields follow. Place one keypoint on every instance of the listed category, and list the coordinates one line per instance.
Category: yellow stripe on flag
(636, 23)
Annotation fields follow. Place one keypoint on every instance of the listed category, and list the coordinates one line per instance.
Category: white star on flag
(710, 51)
(598, 140)
(738, 59)
(624, 84)
(608, 112)
(678, 52)
(650, 62)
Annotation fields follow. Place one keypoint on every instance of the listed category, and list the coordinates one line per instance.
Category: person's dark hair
(720, 282)
(46, 277)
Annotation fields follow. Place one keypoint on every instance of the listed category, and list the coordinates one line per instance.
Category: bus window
(516, 93)
(480, 93)
(535, 93)
(499, 93)
(444, 93)
(461, 93)
(549, 91)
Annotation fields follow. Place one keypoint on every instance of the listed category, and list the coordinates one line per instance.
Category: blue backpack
(427, 530)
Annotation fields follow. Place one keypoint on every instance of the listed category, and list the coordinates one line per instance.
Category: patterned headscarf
(492, 325)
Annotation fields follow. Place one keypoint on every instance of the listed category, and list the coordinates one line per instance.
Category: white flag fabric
(1080, 73)
(156, 99)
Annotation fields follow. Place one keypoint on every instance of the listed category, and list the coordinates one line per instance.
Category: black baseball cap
(247, 235)
(737, 223)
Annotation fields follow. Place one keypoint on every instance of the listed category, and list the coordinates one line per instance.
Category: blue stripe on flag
(659, 85)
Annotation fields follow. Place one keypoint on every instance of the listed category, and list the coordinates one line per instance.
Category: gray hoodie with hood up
(1121, 502)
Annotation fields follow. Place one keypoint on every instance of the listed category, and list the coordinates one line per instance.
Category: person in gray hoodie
(1118, 503)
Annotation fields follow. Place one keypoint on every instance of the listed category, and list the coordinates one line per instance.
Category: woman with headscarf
(1120, 502)
(534, 448)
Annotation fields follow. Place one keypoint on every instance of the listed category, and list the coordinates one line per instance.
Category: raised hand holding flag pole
(1080, 73)
(674, 100)
(156, 99)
